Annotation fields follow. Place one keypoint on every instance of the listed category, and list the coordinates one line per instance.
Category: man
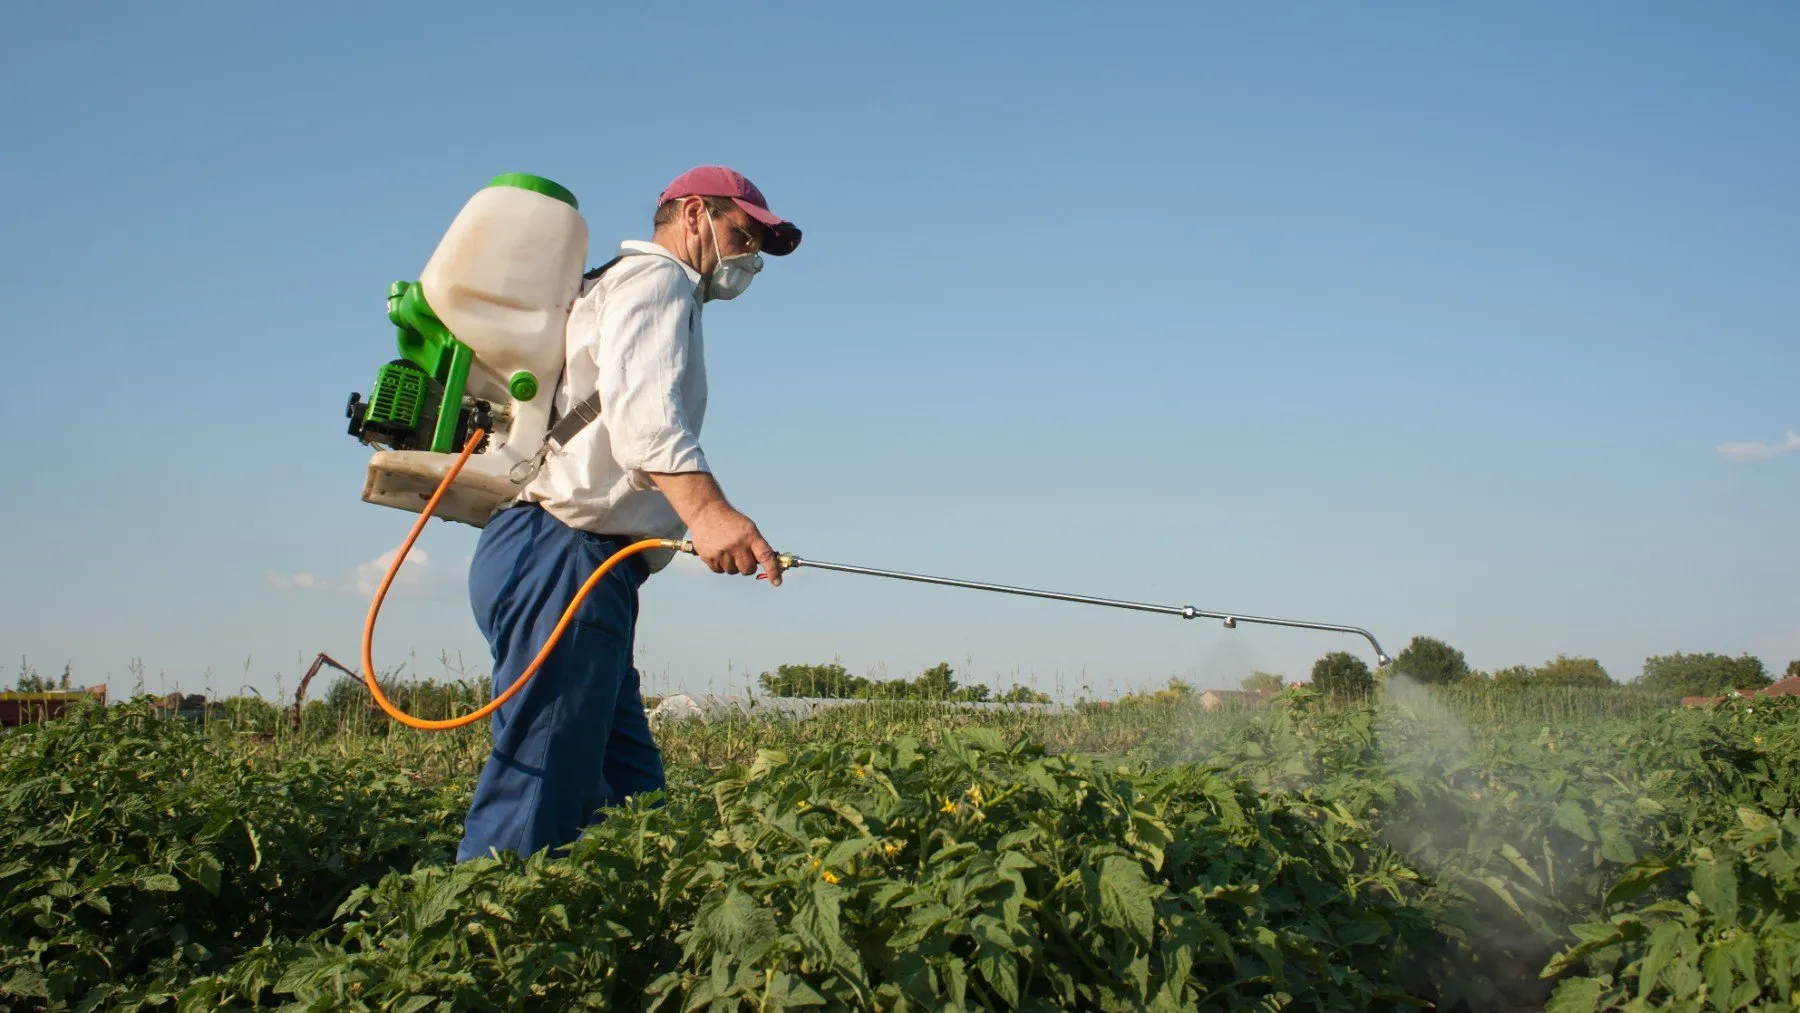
(575, 737)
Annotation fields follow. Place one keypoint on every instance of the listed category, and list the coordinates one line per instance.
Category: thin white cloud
(418, 578)
(1759, 451)
(296, 581)
(415, 574)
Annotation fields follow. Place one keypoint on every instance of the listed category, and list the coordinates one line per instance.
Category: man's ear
(693, 212)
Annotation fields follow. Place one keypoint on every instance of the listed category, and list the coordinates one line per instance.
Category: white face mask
(733, 274)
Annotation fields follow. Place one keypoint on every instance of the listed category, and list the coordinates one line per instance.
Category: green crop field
(1446, 848)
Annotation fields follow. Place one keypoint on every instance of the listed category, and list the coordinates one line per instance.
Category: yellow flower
(891, 849)
(830, 877)
(812, 861)
(800, 804)
(974, 794)
(860, 771)
(949, 806)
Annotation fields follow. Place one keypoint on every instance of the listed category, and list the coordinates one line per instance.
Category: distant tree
(1515, 675)
(1343, 676)
(1567, 671)
(1258, 681)
(1793, 669)
(978, 693)
(1706, 674)
(1176, 691)
(937, 682)
(30, 681)
(1022, 694)
(1429, 660)
(812, 680)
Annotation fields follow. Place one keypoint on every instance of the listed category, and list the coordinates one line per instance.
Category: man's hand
(729, 542)
(724, 539)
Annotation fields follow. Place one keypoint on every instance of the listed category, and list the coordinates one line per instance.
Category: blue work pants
(575, 737)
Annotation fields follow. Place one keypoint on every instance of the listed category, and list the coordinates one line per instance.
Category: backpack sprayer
(479, 333)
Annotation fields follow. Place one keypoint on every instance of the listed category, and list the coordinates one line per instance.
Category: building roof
(1785, 687)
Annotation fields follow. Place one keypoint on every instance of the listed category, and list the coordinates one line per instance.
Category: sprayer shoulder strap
(580, 414)
(563, 429)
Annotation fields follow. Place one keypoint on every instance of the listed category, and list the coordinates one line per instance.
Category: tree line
(935, 683)
(1430, 661)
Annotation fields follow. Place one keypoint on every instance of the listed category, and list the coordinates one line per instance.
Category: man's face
(737, 232)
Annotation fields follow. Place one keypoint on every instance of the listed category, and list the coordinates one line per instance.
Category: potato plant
(134, 853)
(1404, 852)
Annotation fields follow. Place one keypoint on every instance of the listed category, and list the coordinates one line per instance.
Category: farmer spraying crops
(629, 466)
(583, 486)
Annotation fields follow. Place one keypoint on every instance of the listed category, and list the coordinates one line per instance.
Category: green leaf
(1575, 995)
(1755, 820)
(1716, 885)
(1722, 963)
(1127, 898)
(1570, 817)
(558, 915)
(843, 851)
(1637, 878)
(766, 761)
(440, 899)
(1742, 951)
(733, 922)
(26, 982)
(1148, 836)
(786, 991)
(1511, 854)
(818, 922)
(1495, 884)
(985, 739)
(906, 751)
(160, 882)
(1615, 847)
(205, 870)
(1000, 970)
(1223, 796)
(1019, 838)
(1661, 950)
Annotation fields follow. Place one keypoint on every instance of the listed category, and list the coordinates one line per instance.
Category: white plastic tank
(503, 280)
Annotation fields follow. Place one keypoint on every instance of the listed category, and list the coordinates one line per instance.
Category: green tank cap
(523, 385)
(538, 184)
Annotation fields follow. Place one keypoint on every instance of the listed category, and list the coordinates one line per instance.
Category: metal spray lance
(789, 561)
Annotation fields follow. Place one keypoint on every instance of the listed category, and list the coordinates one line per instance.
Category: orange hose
(368, 660)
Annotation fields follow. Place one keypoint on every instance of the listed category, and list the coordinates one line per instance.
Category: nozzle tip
(1383, 661)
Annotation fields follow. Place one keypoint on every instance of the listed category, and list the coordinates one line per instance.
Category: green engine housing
(401, 410)
(417, 402)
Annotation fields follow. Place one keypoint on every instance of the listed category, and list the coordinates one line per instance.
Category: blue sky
(1429, 320)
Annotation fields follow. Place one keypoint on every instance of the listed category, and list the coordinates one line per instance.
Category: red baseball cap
(718, 181)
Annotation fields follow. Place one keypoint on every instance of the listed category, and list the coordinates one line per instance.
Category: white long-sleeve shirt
(635, 334)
